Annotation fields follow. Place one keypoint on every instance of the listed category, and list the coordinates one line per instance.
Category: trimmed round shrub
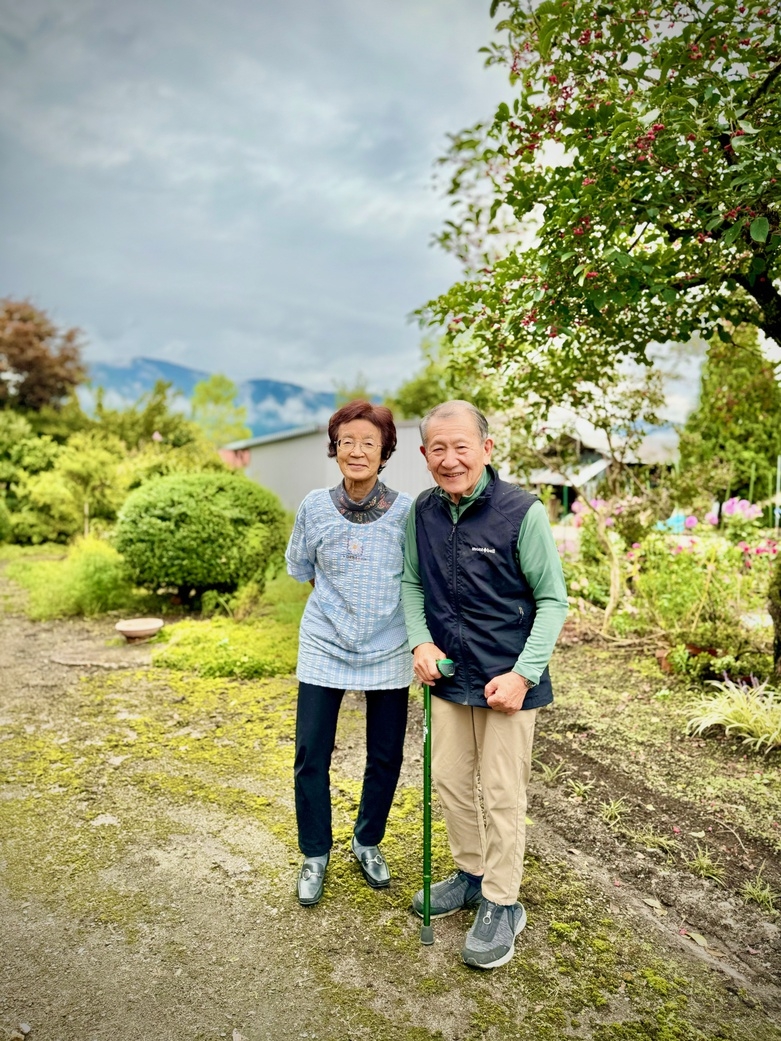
(200, 531)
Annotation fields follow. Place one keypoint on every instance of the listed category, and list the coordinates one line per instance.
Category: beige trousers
(474, 750)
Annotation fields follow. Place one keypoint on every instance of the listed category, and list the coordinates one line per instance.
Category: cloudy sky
(242, 186)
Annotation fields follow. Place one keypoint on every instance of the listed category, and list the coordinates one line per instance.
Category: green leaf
(713, 223)
(669, 296)
(546, 36)
(503, 113)
(759, 229)
(733, 232)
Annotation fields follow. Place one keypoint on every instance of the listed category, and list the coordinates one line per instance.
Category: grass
(285, 598)
(607, 717)
(221, 647)
(613, 812)
(550, 773)
(705, 865)
(758, 891)
(580, 789)
(655, 840)
(209, 761)
(751, 712)
(181, 751)
(89, 581)
(10, 551)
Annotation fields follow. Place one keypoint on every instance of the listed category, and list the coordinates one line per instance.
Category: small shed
(291, 463)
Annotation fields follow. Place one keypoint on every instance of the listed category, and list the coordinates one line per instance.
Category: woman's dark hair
(379, 415)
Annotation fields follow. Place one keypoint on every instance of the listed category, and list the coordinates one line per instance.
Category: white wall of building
(290, 465)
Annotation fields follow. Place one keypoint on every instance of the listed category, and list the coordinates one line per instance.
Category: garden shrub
(693, 590)
(5, 522)
(194, 532)
(90, 580)
(221, 647)
(774, 607)
(741, 666)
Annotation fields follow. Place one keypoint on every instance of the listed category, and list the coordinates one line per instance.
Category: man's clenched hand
(506, 693)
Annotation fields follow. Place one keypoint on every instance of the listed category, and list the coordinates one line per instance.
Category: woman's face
(359, 450)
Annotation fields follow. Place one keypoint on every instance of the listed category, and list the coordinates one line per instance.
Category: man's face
(456, 454)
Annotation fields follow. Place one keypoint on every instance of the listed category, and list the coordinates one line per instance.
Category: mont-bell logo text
(482, 549)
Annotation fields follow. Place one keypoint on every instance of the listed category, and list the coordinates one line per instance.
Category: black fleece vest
(479, 606)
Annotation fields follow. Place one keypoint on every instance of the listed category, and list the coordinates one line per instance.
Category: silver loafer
(311, 879)
(373, 865)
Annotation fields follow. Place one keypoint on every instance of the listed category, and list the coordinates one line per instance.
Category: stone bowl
(139, 628)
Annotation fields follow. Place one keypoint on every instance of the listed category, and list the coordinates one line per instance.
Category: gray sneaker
(453, 894)
(491, 940)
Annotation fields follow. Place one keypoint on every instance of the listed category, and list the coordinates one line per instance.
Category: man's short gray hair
(451, 409)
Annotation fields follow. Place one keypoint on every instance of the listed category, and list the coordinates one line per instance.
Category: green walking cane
(447, 669)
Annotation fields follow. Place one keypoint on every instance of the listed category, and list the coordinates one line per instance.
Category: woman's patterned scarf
(371, 508)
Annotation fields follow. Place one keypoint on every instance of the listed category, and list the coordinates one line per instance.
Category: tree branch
(673, 233)
(769, 300)
(764, 86)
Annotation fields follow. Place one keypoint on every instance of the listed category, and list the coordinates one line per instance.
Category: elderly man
(482, 585)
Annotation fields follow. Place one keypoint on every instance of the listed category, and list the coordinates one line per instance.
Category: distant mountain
(271, 406)
(129, 382)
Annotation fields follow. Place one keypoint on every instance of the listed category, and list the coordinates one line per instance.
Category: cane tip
(427, 934)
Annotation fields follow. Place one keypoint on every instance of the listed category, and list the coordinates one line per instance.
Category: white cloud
(235, 186)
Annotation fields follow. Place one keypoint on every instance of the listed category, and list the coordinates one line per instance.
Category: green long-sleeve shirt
(540, 563)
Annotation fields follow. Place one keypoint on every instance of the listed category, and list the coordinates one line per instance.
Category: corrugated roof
(578, 477)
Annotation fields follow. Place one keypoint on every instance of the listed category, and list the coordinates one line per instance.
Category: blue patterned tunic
(352, 634)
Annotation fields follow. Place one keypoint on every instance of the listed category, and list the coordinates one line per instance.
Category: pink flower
(712, 518)
(690, 522)
(730, 506)
(635, 545)
(609, 522)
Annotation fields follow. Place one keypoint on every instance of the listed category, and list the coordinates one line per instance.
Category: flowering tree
(645, 142)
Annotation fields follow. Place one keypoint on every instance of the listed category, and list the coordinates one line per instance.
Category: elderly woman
(348, 541)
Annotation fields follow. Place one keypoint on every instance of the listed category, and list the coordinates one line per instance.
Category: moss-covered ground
(149, 857)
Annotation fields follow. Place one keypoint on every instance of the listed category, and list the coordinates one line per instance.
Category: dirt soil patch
(148, 862)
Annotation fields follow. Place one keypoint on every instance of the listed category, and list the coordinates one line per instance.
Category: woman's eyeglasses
(348, 444)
